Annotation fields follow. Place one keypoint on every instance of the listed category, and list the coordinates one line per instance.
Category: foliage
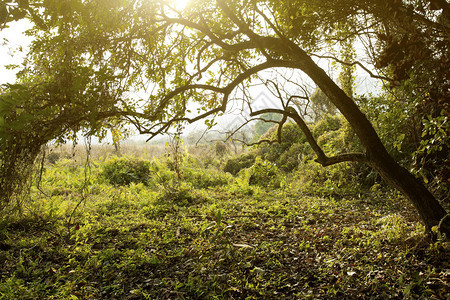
(336, 136)
(19, 145)
(34, 113)
(436, 130)
(15, 10)
(220, 149)
(432, 159)
(289, 160)
(53, 157)
(235, 165)
(175, 191)
(285, 154)
(89, 57)
(60, 91)
(264, 173)
(176, 155)
(321, 105)
(327, 124)
(264, 124)
(333, 135)
(130, 242)
(200, 178)
(126, 170)
(342, 180)
(418, 144)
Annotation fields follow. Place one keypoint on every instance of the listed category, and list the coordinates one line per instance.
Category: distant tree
(220, 149)
(265, 122)
(321, 105)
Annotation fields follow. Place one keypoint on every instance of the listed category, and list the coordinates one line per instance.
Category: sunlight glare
(180, 4)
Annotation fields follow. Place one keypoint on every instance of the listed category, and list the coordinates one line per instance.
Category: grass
(227, 240)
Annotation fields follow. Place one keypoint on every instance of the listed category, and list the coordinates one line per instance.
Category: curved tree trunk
(428, 207)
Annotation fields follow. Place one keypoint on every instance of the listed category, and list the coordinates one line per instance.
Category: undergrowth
(210, 235)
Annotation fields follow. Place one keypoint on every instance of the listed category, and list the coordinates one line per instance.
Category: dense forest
(324, 189)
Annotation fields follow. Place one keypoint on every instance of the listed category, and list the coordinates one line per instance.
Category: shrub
(290, 134)
(264, 173)
(285, 154)
(204, 178)
(220, 149)
(125, 170)
(336, 180)
(333, 134)
(327, 124)
(177, 192)
(233, 166)
(53, 157)
(290, 159)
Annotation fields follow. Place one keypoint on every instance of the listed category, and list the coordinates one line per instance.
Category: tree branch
(322, 158)
(353, 64)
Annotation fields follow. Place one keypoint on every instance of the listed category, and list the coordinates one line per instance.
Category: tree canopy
(92, 58)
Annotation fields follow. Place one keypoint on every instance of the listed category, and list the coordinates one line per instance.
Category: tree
(409, 44)
(54, 99)
(321, 105)
(213, 51)
(14, 10)
(265, 123)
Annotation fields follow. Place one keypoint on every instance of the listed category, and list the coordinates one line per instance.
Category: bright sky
(10, 40)
(181, 3)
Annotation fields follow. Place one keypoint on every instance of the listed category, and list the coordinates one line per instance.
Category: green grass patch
(213, 236)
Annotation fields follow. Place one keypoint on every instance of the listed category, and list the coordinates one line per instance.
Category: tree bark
(428, 207)
(282, 52)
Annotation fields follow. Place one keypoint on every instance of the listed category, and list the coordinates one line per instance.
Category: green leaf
(3, 13)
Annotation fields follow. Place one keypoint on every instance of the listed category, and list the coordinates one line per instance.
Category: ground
(228, 241)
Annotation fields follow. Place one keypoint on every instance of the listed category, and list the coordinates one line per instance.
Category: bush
(53, 157)
(327, 124)
(290, 135)
(290, 159)
(264, 173)
(177, 192)
(220, 149)
(333, 134)
(337, 180)
(233, 166)
(126, 170)
(204, 178)
(285, 154)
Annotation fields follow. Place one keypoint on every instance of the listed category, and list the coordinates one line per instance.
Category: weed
(215, 236)
(264, 173)
(126, 170)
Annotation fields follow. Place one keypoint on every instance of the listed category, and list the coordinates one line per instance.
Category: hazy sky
(10, 39)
